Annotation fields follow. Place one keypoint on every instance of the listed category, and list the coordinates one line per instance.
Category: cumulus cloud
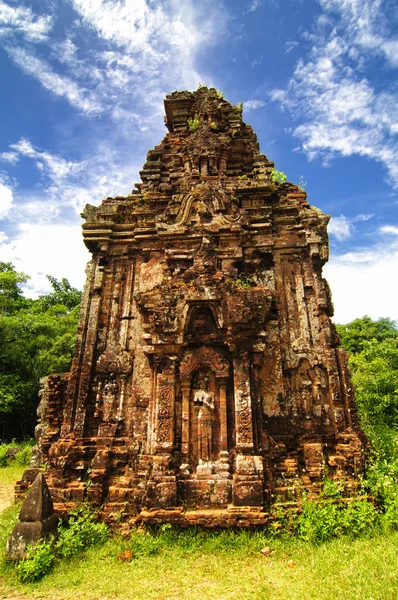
(253, 104)
(342, 227)
(71, 184)
(254, 5)
(338, 110)
(41, 249)
(6, 200)
(290, 45)
(21, 20)
(10, 157)
(138, 50)
(365, 279)
(389, 229)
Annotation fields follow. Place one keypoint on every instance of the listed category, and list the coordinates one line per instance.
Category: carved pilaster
(165, 399)
(223, 416)
(185, 390)
(243, 403)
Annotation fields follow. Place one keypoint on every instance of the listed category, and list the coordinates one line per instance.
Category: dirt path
(6, 496)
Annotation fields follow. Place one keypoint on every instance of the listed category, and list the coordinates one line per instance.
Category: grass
(225, 565)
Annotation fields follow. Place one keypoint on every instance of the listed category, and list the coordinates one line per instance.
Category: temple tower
(206, 374)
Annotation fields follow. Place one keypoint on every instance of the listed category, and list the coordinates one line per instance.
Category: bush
(38, 562)
(3, 455)
(277, 176)
(24, 456)
(80, 532)
(21, 453)
(325, 519)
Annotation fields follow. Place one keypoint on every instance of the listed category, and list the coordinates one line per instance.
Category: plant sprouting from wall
(193, 124)
(277, 176)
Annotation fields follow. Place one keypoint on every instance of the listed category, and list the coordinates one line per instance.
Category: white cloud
(290, 45)
(340, 112)
(256, 61)
(253, 104)
(54, 249)
(364, 282)
(367, 26)
(71, 184)
(389, 229)
(34, 28)
(10, 157)
(364, 217)
(340, 227)
(59, 85)
(343, 227)
(38, 214)
(54, 167)
(254, 5)
(6, 200)
(149, 49)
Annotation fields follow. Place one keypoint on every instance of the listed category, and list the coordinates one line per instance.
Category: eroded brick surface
(206, 379)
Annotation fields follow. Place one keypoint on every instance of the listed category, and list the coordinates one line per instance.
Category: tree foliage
(11, 298)
(373, 349)
(356, 334)
(36, 338)
(375, 377)
(373, 355)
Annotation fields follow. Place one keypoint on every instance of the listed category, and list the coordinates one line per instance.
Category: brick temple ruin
(206, 382)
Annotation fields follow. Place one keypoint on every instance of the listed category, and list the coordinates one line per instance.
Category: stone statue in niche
(106, 401)
(205, 401)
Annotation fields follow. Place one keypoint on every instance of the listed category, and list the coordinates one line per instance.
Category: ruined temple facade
(206, 382)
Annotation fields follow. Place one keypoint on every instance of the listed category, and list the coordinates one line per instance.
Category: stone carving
(36, 520)
(204, 357)
(114, 360)
(207, 279)
(164, 426)
(205, 401)
(244, 428)
(107, 405)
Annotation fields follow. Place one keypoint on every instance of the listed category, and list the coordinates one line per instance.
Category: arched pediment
(204, 358)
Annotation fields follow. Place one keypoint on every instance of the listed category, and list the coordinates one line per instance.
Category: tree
(354, 335)
(36, 338)
(11, 298)
(375, 377)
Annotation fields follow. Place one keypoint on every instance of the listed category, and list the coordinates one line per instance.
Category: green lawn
(341, 569)
(224, 566)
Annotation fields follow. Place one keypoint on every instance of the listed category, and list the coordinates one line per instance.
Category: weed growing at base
(79, 533)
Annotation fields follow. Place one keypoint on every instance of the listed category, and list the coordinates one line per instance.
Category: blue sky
(82, 103)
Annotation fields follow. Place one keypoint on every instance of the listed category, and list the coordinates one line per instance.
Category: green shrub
(22, 453)
(24, 457)
(38, 562)
(277, 176)
(193, 124)
(325, 519)
(3, 455)
(146, 544)
(79, 532)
